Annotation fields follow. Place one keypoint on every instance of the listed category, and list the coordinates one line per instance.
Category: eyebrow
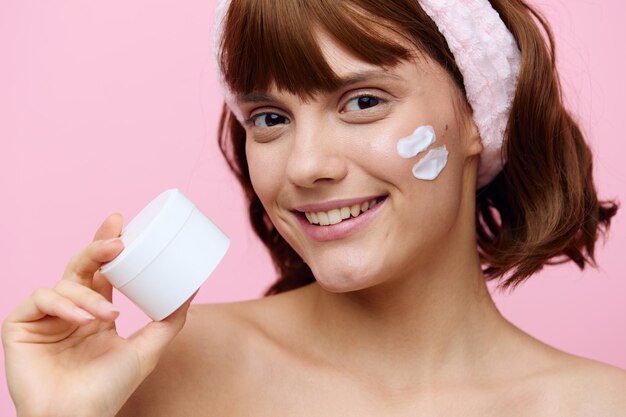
(350, 79)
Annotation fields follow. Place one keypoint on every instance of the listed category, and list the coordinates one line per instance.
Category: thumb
(150, 341)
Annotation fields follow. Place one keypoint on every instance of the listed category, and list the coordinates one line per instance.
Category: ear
(473, 142)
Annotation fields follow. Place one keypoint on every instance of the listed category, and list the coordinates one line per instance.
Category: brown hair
(542, 208)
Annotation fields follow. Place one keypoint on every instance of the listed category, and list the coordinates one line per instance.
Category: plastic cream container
(170, 249)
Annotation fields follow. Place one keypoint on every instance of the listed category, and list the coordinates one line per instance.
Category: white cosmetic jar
(170, 249)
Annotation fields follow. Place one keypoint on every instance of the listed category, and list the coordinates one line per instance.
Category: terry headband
(486, 54)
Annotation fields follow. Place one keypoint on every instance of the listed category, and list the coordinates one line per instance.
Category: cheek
(265, 170)
(436, 146)
(427, 205)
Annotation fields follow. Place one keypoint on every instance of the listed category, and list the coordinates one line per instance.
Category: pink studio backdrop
(106, 104)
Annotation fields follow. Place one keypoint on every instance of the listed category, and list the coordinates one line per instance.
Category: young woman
(396, 154)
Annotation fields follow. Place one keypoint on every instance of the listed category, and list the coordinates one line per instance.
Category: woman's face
(339, 150)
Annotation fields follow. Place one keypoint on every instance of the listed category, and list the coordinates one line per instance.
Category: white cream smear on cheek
(431, 165)
(419, 140)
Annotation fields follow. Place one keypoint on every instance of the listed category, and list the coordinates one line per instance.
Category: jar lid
(147, 235)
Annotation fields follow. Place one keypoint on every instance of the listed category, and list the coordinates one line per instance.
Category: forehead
(343, 61)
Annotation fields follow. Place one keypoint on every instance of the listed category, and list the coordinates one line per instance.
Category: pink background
(105, 104)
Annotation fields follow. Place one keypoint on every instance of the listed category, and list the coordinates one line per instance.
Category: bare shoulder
(601, 387)
(208, 360)
(543, 380)
(587, 388)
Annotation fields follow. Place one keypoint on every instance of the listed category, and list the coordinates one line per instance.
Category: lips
(343, 228)
(335, 204)
(334, 216)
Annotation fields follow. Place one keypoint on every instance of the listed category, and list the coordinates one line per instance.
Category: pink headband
(486, 54)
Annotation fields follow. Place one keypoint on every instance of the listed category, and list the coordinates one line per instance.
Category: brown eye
(267, 120)
(363, 102)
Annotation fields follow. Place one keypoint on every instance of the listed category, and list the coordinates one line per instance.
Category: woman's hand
(62, 351)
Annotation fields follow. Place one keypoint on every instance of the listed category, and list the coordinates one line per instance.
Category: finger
(47, 302)
(102, 286)
(83, 266)
(87, 299)
(151, 340)
(110, 227)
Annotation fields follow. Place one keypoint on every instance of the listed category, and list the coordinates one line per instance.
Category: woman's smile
(339, 222)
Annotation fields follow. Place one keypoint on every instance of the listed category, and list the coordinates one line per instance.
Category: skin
(397, 323)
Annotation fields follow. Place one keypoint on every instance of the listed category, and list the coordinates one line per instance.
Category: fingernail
(112, 242)
(83, 314)
(108, 306)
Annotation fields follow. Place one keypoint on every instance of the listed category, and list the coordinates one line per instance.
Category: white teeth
(334, 216)
(323, 218)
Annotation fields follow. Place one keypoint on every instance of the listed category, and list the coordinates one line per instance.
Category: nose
(316, 157)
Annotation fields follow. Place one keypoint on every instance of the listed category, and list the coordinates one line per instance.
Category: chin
(344, 281)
